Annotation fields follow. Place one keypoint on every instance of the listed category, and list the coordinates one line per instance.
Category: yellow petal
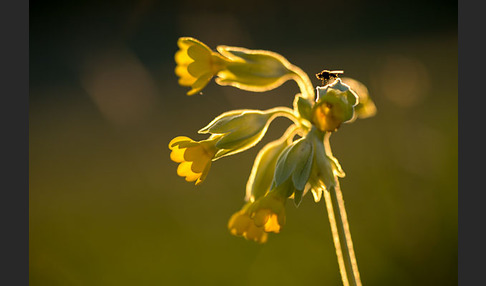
(200, 83)
(199, 68)
(199, 52)
(184, 42)
(185, 78)
(199, 156)
(177, 154)
(272, 224)
(204, 173)
(184, 170)
(182, 58)
(256, 234)
(178, 140)
(261, 216)
(239, 223)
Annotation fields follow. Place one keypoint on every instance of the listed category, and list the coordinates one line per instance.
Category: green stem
(290, 114)
(340, 232)
(304, 83)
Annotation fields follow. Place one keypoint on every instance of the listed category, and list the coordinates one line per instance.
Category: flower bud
(335, 105)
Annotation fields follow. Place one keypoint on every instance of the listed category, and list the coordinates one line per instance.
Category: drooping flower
(195, 157)
(253, 70)
(241, 224)
(259, 217)
(196, 64)
(269, 211)
(335, 105)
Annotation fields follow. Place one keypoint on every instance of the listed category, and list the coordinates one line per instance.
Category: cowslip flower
(195, 157)
(230, 133)
(196, 64)
(241, 224)
(258, 218)
(269, 211)
(252, 70)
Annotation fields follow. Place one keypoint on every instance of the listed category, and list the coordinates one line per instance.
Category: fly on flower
(326, 76)
(287, 168)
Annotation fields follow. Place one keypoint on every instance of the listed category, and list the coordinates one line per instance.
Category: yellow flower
(253, 70)
(240, 224)
(195, 157)
(269, 212)
(196, 64)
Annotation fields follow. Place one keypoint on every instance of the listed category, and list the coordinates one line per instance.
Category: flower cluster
(288, 168)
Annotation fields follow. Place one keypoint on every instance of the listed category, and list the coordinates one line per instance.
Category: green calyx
(335, 105)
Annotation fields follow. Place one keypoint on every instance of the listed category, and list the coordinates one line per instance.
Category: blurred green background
(107, 208)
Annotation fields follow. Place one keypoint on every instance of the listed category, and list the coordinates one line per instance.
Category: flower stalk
(338, 220)
(343, 243)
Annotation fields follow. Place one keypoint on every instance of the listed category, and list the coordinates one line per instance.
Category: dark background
(107, 208)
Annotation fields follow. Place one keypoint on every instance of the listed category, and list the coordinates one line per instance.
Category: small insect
(326, 76)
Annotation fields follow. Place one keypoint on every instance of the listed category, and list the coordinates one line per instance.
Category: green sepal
(324, 166)
(230, 121)
(298, 197)
(240, 130)
(304, 107)
(253, 70)
(303, 167)
(295, 160)
(282, 172)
